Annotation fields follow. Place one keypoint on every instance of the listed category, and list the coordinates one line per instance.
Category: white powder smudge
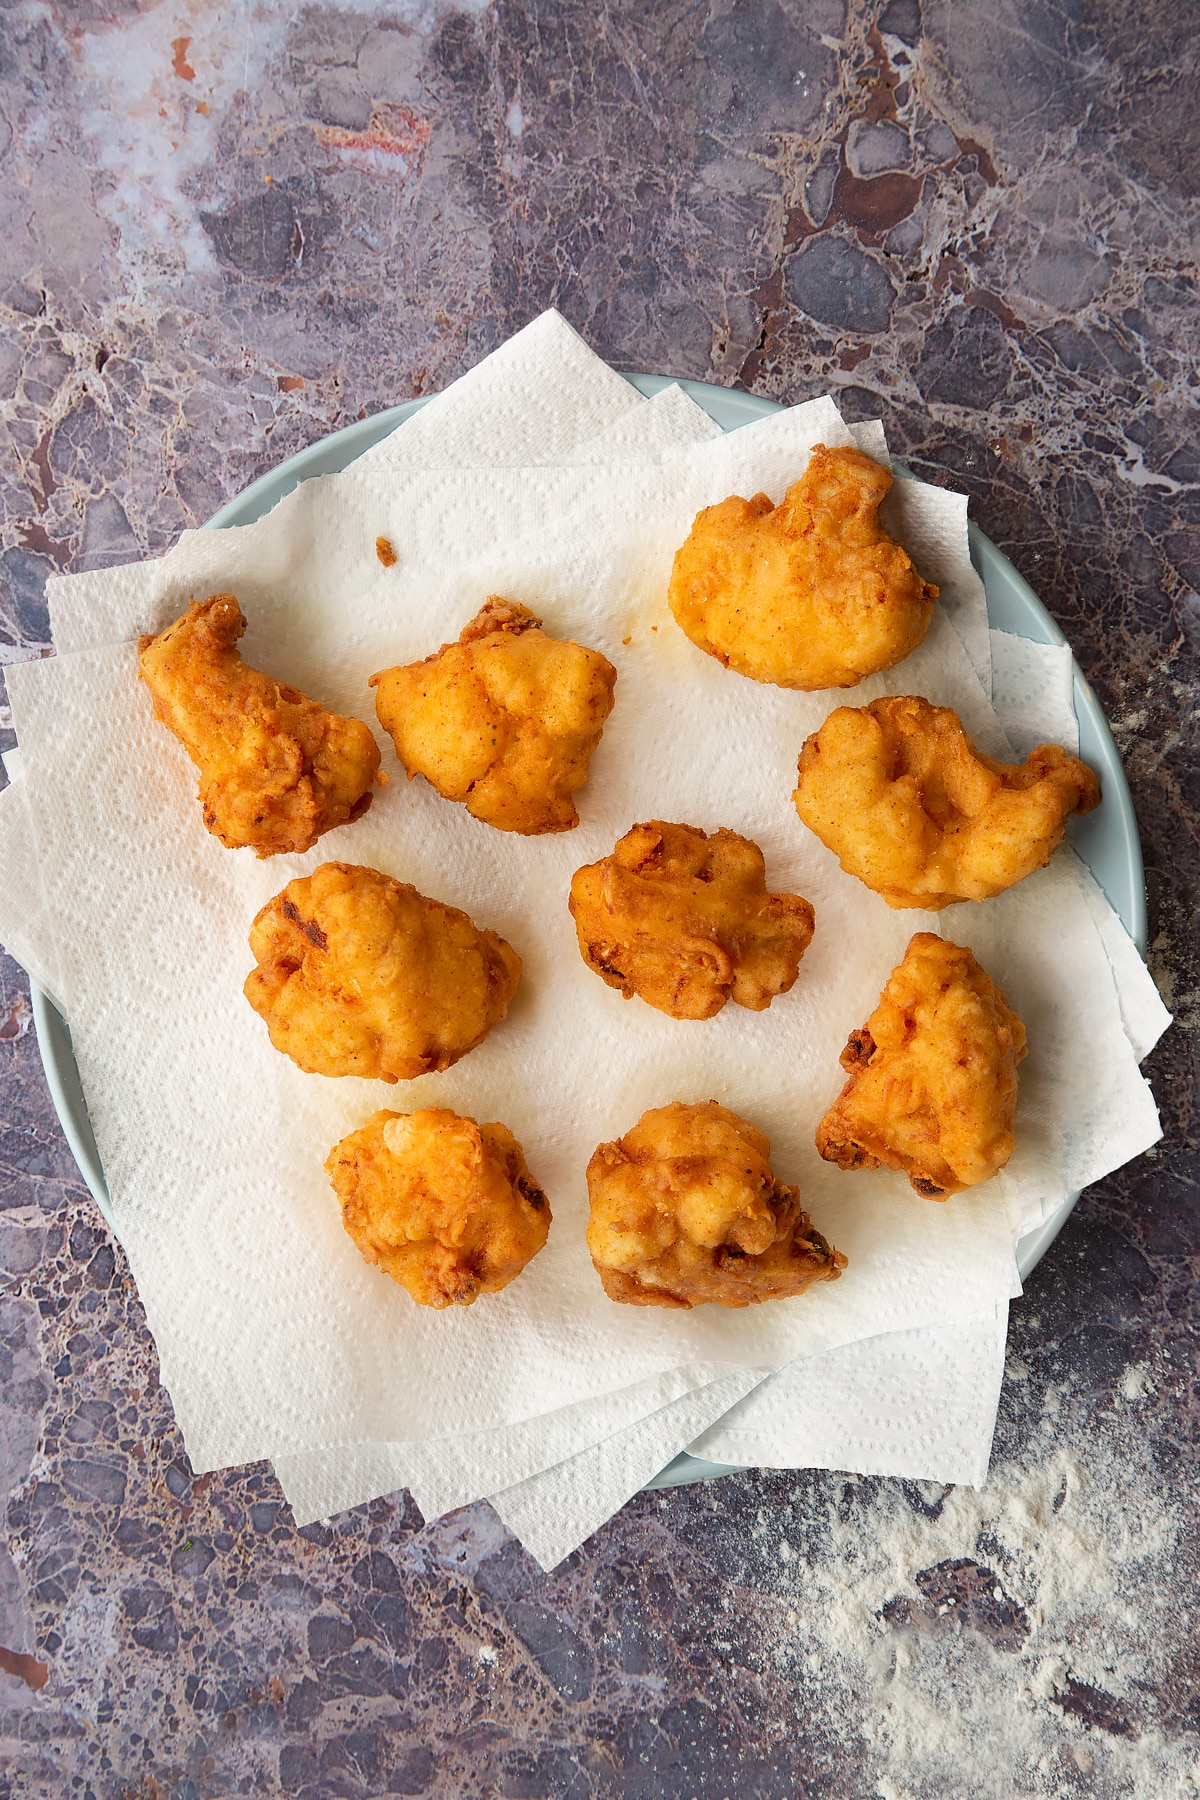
(1136, 1382)
(1078, 1534)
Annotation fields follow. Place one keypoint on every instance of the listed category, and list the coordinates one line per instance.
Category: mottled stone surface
(228, 230)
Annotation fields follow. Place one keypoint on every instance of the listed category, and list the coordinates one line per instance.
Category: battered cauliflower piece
(276, 768)
(685, 921)
(812, 593)
(685, 1210)
(933, 1075)
(444, 1206)
(900, 794)
(505, 720)
(361, 975)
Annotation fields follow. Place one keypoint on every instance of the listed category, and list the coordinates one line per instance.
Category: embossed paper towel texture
(308, 1384)
(444, 1473)
(554, 1514)
(578, 1484)
(1121, 1111)
(1034, 700)
(908, 1403)
(327, 1481)
(917, 1404)
(534, 398)
(116, 602)
(847, 1437)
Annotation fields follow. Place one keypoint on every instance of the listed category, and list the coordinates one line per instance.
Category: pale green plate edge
(1107, 839)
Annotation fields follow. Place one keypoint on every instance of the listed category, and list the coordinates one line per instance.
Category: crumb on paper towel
(385, 551)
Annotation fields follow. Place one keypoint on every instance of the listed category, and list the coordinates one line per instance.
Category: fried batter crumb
(811, 593)
(684, 920)
(276, 768)
(905, 801)
(685, 1210)
(505, 720)
(358, 974)
(385, 551)
(445, 1206)
(933, 1075)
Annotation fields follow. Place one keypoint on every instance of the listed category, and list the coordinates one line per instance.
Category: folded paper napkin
(547, 479)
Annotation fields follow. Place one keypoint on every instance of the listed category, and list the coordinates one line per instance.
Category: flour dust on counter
(1020, 1638)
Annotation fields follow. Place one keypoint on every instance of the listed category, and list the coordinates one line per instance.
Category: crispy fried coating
(685, 1210)
(276, 768)
(685, 921)
(444, 1206)
(933, 1075)
(900, 794)
(505, 720)
(812, 593)
(361, 975)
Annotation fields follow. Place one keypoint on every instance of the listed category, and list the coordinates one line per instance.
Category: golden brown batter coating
(362, 975)
(933, 1075)
(900, 794)
(276, 768)
(685, 1209)
(444, 1206)
(812, 593)
(505, 720)
(685, 921)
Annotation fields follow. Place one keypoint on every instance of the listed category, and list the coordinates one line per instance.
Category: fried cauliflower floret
(276, 768)
(933, 1075)
(685, 1210)
(505, 720)
(444, 1206)
(812, 593)
(361, 975)
(900, 794)
(685, 921)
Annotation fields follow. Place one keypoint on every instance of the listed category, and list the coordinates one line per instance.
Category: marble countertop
(229, 230)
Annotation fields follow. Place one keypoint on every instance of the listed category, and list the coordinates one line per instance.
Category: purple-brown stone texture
(228, 230)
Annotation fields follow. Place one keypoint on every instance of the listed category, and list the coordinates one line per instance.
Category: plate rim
(336, 451)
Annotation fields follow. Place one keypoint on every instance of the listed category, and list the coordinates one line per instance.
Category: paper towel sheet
(443, 1473)
(669, 420)
(1083, 1106)
(356, 1473)
(554, 1513)
(269, 1325)
(931, 523)
(870, 436)
(26, 928)
(949, 1376)
(100, 606)
(535, 397)
(918, 1404)
(1142, 1011)
(111, 780)
(352, 1476)
(1033, 693)
(614, 436)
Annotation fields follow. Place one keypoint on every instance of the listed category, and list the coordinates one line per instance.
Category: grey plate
(1107, 839)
